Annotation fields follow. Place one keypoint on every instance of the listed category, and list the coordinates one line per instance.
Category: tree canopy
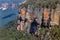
(42, 3)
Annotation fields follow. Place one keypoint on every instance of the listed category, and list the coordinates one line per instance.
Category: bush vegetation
(10, 33)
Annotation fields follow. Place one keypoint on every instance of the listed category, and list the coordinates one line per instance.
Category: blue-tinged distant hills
(11, 1)
(10, 14)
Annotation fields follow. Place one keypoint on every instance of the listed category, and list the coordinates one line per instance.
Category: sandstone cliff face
(56, 18)
(46, 15)
(56, 15)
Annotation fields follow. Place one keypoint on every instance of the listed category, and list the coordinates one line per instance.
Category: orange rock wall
(46, 14)
(56, 18)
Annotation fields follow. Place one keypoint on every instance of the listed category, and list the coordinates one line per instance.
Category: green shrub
(10, 33)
